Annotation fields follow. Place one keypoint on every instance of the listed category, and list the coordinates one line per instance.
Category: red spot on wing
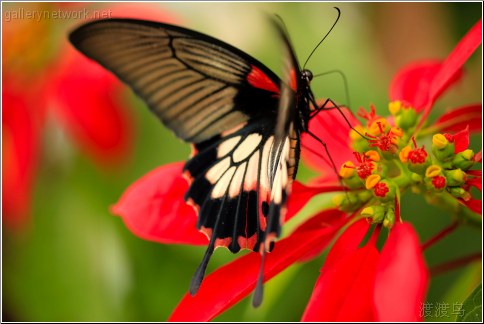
(259, 79)
(293, 80)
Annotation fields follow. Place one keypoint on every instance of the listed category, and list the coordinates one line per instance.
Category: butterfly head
(307, 76)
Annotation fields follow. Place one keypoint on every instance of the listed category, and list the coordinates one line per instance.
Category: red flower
(357, 283)
(90, 105)
(88, 102)
(20, 146)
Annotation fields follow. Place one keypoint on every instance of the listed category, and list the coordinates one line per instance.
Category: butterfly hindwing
(197, 85)
(236, 179)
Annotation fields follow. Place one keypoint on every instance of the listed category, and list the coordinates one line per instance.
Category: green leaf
(472, 307)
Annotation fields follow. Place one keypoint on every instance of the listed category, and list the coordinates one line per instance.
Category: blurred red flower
(88, 102)
(357, 282)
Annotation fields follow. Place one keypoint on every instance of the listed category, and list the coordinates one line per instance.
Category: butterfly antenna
(334, 24)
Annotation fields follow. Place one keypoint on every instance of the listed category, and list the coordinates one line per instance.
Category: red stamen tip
(438, 182)
(381, 189)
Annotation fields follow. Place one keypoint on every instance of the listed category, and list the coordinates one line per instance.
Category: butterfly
(244, 123)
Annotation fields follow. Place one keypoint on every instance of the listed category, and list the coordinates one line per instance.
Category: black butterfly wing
(237, 181)
(197, 85)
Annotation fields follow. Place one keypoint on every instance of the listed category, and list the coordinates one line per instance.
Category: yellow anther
(347, 170)
(378, 127)
(467, 154)
(397, 131)
(372, 180)
(354, 135)
(439, 141)
(394, 107)
(368, 212)
(373, 155)
(433, 171)
(404, 154)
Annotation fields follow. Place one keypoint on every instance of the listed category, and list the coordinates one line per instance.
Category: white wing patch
(281, 176)
(240, 185)
(213, 175)
(247, 147)
(227, 146)
(236, 184)
(223, 183)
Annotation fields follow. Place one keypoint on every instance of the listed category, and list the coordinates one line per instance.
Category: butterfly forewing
(198, 86)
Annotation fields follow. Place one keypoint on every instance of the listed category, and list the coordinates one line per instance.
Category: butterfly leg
(335, 106)
(331, 160)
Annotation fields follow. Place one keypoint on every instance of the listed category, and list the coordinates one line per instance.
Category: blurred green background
(74, 261)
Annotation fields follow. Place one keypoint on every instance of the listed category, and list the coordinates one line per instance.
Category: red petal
(478, 157)
(153, 208)
(90, 103)
(232, 282)
(476, 173)
(412, 83)
(459, 118)
(473, 204)
(343, 293)
(330, 127)
(461, 140)
(301, 194)
(452, 65)
(475, 182)
(456, 59)
(402, 277)
(344, 289)
(347, 243)
(334, 220)
(20, 133)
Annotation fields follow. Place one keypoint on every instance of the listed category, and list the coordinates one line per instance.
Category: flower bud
(354, 136)
(407, 118)
(455, 177)
(389, 218)
(464, 160)
(459, 192)
(433, 171)
(378, 127)
(418, 160)
(395, 107)
(403, 155)
(347, 170)
(375, 214)
(439, 183)
(439, 141)
(384, 191)
(364, 196)
(372, 180)
(347, 202)
(442, 148)
(372, 155)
